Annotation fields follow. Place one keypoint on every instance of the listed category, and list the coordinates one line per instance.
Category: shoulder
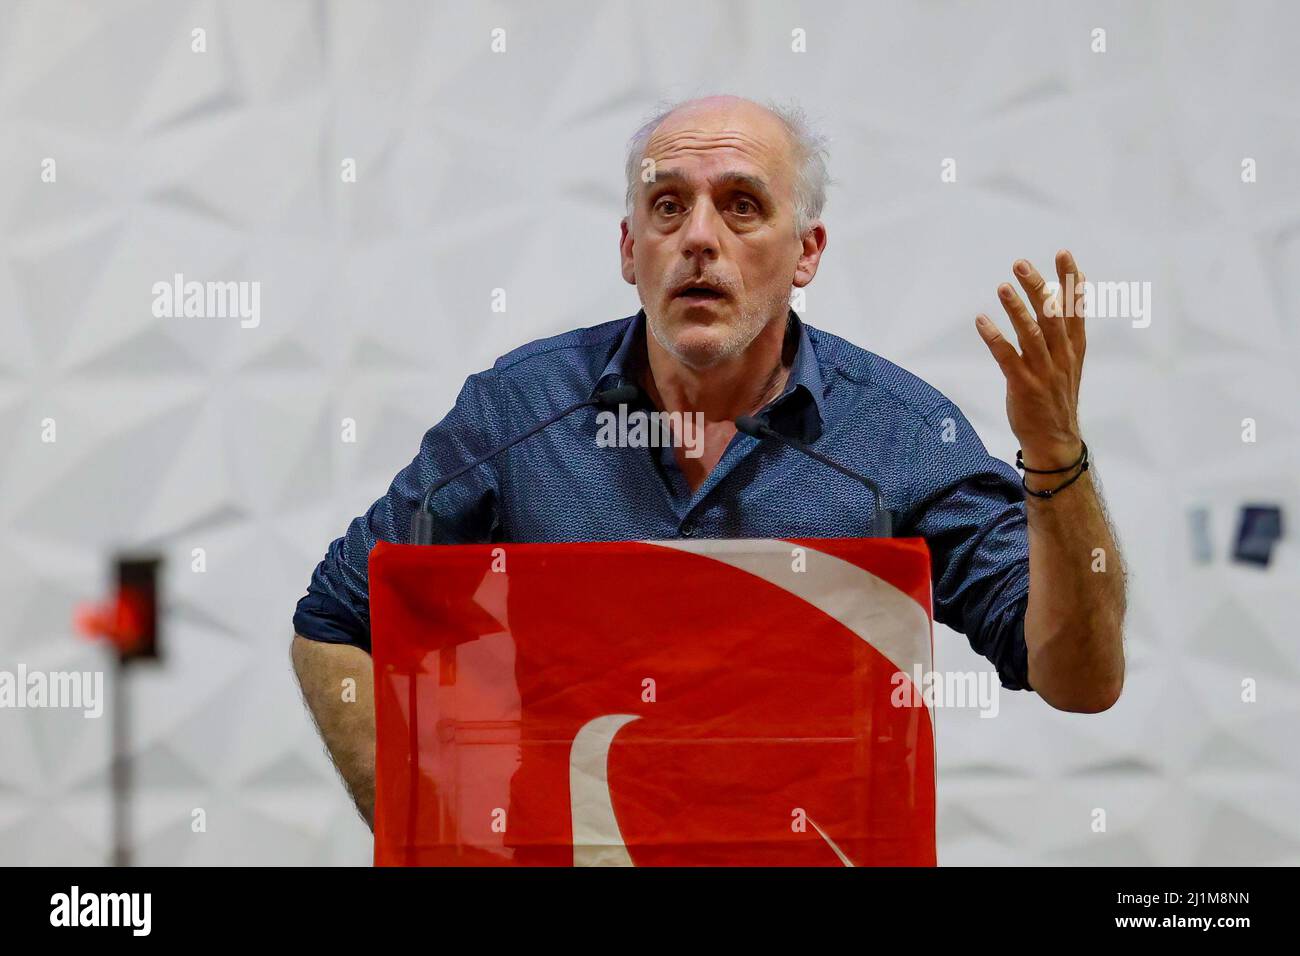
(575, 347)
(540, 376)
(906, 394)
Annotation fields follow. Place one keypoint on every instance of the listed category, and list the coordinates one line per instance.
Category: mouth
(701, 294)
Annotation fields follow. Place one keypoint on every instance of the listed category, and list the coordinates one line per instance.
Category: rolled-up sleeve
(336, 607)
(970, 508)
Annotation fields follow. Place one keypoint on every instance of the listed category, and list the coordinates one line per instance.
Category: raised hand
(1043, 376)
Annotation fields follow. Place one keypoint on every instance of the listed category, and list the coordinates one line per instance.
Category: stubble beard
(753, 319)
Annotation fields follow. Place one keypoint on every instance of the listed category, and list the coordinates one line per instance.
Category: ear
(625, 242)
(812, 245)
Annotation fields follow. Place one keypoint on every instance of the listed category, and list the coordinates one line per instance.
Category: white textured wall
(480, 170)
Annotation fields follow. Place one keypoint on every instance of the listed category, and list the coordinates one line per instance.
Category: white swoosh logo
(597, 840)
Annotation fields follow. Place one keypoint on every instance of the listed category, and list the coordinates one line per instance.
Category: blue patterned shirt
(561, 485)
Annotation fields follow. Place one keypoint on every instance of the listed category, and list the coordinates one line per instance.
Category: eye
(746, 207)
(661, 205)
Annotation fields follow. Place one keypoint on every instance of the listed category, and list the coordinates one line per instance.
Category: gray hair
(810, 147)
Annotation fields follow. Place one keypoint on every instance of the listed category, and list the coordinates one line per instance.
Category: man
(724, 197)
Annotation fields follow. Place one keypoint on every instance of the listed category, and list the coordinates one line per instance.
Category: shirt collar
(798, 411)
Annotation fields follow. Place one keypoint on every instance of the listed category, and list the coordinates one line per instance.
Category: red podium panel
(711, 702)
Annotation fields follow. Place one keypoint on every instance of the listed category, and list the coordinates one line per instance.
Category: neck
(739, 386)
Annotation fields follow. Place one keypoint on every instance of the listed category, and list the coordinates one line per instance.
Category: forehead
(739, 137)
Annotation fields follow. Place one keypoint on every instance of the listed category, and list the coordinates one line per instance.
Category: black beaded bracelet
(1048, 492)
(1083, 456)
(1081, 464)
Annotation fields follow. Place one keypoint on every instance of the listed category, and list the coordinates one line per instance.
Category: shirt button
(688, 528)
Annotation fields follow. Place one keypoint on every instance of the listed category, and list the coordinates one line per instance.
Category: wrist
(1044, 482)
(1041, 482)
(1054, 457)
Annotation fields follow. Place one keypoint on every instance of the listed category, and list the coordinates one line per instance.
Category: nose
(700, 236)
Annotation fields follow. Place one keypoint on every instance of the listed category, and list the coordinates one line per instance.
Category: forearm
(1075, 616)
(344, 712)
(1074, 620)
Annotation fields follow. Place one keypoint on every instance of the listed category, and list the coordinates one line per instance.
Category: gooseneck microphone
(882, 525)
(422, 524)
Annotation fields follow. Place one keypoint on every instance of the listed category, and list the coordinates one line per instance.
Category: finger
(1004, 353)
(1065, 265)
(1047, 313)
(1066, 268)
(1033, 284)
(1032, 345)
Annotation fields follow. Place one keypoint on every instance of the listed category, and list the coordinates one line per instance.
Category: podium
(663, 703)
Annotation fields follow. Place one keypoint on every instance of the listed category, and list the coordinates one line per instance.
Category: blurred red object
(121, 620)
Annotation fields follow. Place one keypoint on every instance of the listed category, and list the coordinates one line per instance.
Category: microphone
(422, 524)
(882, 526)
